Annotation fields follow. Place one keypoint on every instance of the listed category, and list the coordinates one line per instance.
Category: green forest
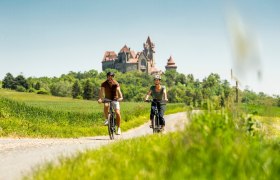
(181, 88)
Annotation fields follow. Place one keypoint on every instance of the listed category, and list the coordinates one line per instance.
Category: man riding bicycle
(158, 92)
(112, 91)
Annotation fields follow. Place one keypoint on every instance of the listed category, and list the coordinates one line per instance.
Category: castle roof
(109, 56)
(124, 49)
(150, 42)
(170, 62)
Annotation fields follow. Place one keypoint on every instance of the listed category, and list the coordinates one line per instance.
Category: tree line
(181, 88)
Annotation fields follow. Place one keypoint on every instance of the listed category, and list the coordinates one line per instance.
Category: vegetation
(180, 88)
(33, 115)
(213, 146)
(242, 143)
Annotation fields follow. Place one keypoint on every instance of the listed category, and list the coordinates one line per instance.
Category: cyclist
(112, 91)
(158, 92)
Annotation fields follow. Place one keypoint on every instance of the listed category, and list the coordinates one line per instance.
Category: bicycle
(155, 121)
(111, 119)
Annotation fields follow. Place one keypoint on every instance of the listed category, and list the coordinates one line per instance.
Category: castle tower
(149, 51)
(170, 64)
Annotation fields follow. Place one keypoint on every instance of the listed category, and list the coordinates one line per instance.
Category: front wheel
(154, 125)
(111, 126)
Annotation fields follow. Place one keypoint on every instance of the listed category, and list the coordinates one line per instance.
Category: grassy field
(261, 110)
(33, 115)
(211, 147)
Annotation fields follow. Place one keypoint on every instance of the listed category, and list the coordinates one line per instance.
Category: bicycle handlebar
(156, 101)
(109, 100)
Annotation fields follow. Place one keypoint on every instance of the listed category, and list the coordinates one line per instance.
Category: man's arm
(120, 97)
(101, 93)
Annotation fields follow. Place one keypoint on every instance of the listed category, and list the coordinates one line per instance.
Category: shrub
(20, 89)
(43, 91)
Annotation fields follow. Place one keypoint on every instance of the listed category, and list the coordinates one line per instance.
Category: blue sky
(50, 38)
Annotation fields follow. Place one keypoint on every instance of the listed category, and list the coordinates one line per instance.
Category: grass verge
(211, 147)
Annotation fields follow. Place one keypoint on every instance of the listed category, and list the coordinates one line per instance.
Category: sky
(50, 38)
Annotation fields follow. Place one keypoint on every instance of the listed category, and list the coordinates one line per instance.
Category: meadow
(34, 115)
(238, 143)
(213, 146)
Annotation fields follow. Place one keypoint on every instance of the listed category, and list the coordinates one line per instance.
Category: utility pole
(236, 86)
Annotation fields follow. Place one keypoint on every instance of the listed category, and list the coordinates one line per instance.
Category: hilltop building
(129, 60)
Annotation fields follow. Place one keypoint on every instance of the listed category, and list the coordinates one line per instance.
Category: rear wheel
(111, 126)
(157, 126)
(154, 124)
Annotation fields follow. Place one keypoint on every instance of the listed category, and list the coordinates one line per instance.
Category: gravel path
(19, 156)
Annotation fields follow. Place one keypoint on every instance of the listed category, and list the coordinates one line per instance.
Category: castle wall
(107, 64)
(131, 67)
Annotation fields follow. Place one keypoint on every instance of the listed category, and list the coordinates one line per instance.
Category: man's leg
(106, 110)
(118, 116)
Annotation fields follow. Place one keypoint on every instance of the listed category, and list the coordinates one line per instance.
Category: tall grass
(211, 147)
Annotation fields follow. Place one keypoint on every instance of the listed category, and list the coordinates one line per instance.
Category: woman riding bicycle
(158, 92)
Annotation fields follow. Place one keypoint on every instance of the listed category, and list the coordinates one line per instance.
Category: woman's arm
(165, 95)
(148, 95)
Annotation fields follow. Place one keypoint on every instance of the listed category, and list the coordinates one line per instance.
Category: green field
(211, 147)
(33, 115)
(237, 144)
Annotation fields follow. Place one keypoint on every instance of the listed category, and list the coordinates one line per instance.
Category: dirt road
(19, 156)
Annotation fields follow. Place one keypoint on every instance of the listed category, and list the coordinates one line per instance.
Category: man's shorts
(116, 105)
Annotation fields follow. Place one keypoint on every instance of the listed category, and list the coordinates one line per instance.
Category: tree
(181, 78)
(62, 89)
(170, 76)
(9, 81)
(21, 81)
(211, 86)
(76, 89)
(88, 90)
(37, 86)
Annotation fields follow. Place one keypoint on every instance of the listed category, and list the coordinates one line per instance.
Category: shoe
(162, 128)
(106, 122)
(151, 126)
(119, 132)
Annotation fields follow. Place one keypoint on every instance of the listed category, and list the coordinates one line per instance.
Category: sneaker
(106, 122)
(119, 132)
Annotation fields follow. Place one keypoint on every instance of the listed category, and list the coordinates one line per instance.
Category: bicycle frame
(111, 119)
(155, 121)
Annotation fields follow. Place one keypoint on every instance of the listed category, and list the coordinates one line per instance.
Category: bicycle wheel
(111, 126)
(154, 124)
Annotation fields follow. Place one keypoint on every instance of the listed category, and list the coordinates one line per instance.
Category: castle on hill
(129, 60)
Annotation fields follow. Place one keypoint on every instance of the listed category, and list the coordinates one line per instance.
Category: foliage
(76, 89)
(20, 89)
(43, 91)
(8, 81)
(211, 147)
(181, 88)
(88, 90)
(61, 88)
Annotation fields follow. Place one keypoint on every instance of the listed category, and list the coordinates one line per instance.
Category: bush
(31, 90)
(20, 89)
(43, 91)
